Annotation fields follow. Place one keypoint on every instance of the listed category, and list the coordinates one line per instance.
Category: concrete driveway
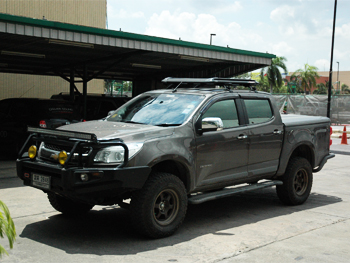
(250, 227)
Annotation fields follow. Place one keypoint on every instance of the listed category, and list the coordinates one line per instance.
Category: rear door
(265, 132)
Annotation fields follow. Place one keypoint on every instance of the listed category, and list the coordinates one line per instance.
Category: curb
(339, 136)
(339, 131)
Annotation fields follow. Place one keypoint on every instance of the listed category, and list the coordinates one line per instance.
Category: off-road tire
(297, 182)
(67, 206)
(159, 208)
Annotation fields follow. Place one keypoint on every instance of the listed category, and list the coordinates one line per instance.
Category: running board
(201, 198)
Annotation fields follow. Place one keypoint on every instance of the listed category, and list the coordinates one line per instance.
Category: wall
(344, 76)
(81, 12)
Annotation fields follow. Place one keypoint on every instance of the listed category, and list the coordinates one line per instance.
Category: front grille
(60, 148)
(53, 147)
(49, 152)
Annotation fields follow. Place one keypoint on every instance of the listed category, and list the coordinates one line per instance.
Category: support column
(71, 86)
(85, 81)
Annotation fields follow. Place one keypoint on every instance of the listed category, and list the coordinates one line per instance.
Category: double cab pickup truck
(195, 141)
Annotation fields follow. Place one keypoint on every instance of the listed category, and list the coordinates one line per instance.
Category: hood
(105, 130)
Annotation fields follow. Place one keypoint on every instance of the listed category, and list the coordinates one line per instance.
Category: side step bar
(201, 198)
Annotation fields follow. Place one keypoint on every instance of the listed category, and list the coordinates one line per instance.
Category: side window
(258, 110)
(226, 111)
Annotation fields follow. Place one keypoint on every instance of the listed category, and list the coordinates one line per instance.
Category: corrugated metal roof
(100, 36)
(77, 45)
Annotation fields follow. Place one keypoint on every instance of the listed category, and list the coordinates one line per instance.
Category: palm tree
(307, 76)
(273, 73)
(7, 227)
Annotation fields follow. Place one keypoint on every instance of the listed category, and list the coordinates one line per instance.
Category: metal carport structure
(80, 54)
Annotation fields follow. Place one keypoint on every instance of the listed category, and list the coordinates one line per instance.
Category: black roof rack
(204, 82)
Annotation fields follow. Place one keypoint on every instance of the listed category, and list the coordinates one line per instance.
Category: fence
(316, 105)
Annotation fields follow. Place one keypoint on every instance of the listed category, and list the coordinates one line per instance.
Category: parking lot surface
(249, 227)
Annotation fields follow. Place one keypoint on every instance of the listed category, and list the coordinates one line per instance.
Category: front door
(222, 155)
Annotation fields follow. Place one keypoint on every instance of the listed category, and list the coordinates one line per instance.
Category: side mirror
(210, 124)
(110, 113)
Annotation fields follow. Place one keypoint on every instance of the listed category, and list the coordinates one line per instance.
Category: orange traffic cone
(344, 138)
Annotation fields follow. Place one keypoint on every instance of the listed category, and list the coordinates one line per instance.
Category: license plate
(41, 181)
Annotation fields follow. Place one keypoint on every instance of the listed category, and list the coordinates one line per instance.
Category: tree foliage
(321, 89)
(247, 75)
(117, 87)
(273, 74)
(263, 84)
(345, 89)
(7, 227)
(307, 76)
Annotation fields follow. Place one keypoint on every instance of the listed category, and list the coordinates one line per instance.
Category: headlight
(115, 154)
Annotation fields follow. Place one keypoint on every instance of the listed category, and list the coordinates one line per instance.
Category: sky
(299, 30)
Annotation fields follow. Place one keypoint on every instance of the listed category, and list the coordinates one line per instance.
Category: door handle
(242, 136)
(277, 132)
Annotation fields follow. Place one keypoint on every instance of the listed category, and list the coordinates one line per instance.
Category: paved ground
(251, 227)
(336, 146)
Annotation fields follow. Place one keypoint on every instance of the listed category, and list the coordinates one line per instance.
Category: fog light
(62, 157)
(32, 152)
(84, 177)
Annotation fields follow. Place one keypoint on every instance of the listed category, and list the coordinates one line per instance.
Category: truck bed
(296, 120)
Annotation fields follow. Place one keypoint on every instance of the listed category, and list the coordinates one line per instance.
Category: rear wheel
(297, 182)
(67, 206)
(159, 208)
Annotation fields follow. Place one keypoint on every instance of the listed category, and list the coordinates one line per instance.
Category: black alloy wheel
(159, 208)
(297, 182)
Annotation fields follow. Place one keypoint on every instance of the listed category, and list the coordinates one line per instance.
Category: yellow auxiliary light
(32, 152)
(62, 157)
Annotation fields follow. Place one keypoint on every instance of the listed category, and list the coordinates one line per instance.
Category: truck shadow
(109, 231)
(10, 182)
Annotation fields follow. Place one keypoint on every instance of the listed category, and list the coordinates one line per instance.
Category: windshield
(158, 109)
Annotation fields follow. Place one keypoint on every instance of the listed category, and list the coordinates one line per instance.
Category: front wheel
(297, 182)
(159, 208)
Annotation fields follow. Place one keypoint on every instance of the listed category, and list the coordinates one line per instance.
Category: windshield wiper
(168, 124)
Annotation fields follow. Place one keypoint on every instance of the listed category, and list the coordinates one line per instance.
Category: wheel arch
(302, 149)
(175, 167)
(306, 151)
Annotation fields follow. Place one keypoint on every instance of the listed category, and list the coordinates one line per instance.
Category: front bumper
(67, 181)
(79, 178)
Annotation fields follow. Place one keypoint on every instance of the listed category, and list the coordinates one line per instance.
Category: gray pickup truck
(196, 141)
